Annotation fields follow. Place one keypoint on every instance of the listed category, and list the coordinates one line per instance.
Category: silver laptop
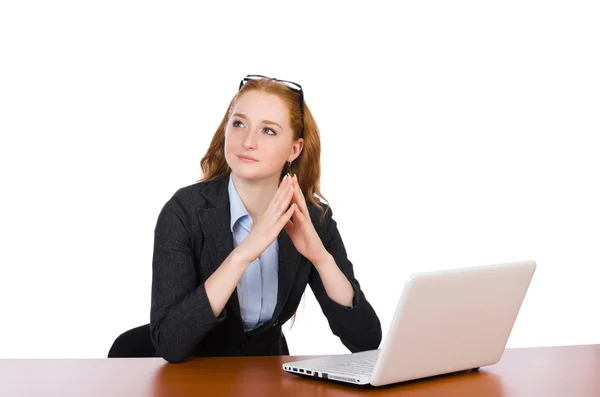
(446, 321)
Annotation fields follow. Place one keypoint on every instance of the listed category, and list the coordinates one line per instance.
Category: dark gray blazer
(192, 238)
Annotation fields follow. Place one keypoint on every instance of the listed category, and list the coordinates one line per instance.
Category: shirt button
(275, 323)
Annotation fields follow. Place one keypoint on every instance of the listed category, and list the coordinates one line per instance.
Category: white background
(454, 134)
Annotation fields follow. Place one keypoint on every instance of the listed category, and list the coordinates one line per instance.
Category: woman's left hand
(301, 230)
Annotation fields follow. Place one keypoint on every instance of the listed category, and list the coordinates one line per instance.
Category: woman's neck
(256, 194)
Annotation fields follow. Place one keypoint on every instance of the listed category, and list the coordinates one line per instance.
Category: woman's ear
(296, 150)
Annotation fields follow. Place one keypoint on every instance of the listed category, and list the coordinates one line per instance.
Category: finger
(297, 214)
(289, 227)
(282, 222)
(282, 198)
(299, 217)
(286, 181)
(299, 197)
(283, 202)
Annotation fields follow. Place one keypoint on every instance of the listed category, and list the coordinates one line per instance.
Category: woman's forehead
(261, 106)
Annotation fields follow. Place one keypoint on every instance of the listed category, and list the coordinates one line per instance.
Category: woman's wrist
(243, 255)
(323, 259)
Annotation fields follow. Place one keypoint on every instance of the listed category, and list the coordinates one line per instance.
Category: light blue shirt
(257, 289)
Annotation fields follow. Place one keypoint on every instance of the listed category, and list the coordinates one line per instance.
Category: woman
(234, 252)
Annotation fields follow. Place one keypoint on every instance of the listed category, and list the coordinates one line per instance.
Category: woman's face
(259, 137)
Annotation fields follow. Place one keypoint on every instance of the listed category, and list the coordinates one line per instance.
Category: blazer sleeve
(180, 314)
(358, 327)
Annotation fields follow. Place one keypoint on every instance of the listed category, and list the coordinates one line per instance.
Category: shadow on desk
(230, 376)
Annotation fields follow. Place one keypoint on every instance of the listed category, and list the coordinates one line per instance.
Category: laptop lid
(452, 320)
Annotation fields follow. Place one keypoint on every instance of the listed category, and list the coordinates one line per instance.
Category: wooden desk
(553, 371)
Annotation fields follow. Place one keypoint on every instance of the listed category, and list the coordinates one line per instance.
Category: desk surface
(549, 371)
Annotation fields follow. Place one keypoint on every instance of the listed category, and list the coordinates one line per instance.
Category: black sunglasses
(289, 84)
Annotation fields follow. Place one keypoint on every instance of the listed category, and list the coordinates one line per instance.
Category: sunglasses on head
(289, 84)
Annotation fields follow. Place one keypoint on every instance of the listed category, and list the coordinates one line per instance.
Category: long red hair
(307, 166)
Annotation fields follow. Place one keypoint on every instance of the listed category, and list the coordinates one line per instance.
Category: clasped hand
(295, 218)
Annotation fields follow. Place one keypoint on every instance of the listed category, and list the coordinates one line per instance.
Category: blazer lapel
(215, 223)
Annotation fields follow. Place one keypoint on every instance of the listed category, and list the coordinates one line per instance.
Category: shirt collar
(237, 208)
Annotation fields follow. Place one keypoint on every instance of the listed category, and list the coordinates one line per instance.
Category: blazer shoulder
(180, 209)
(193, 190)
(185, 196)
(201, 194)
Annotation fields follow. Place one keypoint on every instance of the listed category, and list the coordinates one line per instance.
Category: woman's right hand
(266, 229)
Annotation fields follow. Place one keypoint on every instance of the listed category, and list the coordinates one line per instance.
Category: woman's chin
(254, 175)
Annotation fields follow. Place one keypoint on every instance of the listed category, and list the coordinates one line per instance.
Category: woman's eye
(269, 131)
(237, 124)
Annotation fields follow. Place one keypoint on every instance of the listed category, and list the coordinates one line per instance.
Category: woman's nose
(250, 140)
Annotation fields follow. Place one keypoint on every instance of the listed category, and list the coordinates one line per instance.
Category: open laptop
(446, 321)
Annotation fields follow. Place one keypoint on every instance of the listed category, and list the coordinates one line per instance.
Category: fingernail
(285, 177)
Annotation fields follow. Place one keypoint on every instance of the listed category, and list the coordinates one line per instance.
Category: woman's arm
(181, 311)
(351, 317)
(336, 284)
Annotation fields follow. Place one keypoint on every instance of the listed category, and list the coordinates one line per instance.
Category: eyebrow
(262, 121)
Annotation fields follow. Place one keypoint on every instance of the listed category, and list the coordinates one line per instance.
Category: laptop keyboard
(358, 367)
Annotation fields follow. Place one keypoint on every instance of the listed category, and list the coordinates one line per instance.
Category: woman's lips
(247, 159)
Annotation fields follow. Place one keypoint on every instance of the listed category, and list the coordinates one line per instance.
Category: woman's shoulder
(200, 193)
